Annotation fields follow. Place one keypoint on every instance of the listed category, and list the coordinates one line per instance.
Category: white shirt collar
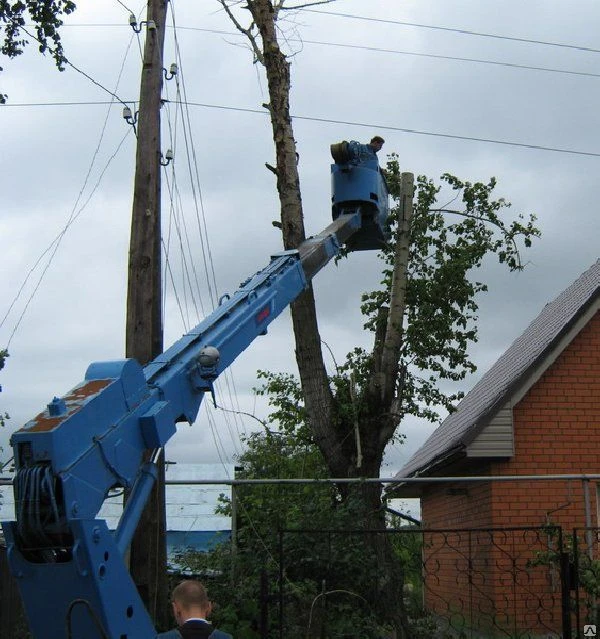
(196, 619)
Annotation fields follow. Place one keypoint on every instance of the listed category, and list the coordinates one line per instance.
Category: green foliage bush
(329, 579)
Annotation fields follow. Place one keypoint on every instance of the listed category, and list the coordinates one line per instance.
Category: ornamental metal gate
(584, 581)
(521, 583)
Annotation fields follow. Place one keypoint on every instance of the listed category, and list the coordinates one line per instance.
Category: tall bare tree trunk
(309, 356)
(331, 435)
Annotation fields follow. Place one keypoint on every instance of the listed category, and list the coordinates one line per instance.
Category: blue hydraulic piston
(135, 504)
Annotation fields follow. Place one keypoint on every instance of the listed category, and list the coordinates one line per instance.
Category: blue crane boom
(69, 567)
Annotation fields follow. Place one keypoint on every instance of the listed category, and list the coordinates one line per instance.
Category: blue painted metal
(359, 184)
(88, 589)
(135, 506)
(69, 567)
(57, 407)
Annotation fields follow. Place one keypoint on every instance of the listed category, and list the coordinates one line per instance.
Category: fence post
(588, 518)
(281, 584)
(567, 575)
(264, 604)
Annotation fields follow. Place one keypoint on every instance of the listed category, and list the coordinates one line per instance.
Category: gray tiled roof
(495, 387)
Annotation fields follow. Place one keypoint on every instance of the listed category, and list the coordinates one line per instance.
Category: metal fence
(584, 581)
(521, 583)
(517, 583)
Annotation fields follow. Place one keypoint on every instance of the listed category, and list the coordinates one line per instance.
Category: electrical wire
(236, 400)
(371, 125)
(454, 30)
(303, 41)
(77, 103)
(170, 272)
(576, 47)
(137, 31)
(510, 65)
(385, 127)
(55, 244)
(75, 68)
(200, 212)
(177, 219)
(412, 53)
(224, 381)
(60, 237)
(126, 7)
(219, 447)
(167, 250)
(177, 222)
(211, 280)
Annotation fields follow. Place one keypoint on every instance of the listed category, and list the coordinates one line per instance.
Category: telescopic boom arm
(69, 566)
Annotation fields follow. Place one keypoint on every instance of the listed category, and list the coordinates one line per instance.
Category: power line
(83, 73)
(125, 7)
(67, 103)
(175, 218)
(413, 53)
(360, 47)
(170, 272)
(455, 58)
(454, 30)
(200, 216)
(418, 25)
(58, 239)
(384, 127)
(451, 136)
(55, 244)
(371, 125)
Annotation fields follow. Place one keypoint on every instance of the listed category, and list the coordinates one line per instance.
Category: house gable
(482, 426)
(547, 426)
(496, 437)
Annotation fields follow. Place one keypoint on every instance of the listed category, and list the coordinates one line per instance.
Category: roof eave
(432, 469)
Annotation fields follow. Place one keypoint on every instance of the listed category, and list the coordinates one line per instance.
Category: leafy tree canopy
(45, 17)
(440, 324)
(447, 246)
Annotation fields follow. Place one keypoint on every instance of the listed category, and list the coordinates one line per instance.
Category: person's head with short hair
(190, 601)
(377, 142)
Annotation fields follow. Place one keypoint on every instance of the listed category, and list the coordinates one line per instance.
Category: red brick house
(535, 412)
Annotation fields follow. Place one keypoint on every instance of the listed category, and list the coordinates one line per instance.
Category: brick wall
(457, 505)
(557, 431)
(449, 557)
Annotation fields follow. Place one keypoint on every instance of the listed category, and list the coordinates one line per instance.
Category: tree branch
(247, 32)
(510, 237)
(393, 333)
(304, 6)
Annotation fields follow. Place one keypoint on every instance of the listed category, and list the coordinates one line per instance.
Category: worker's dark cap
(377, 138)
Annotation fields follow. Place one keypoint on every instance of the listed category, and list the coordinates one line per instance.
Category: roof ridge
(516, 361)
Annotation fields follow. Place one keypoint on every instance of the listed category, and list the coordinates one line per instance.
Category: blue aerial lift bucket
(359, 184)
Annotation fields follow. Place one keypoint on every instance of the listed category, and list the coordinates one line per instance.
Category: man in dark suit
(191, 607)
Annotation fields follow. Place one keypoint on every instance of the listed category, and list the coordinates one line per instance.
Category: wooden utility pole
(144, 338)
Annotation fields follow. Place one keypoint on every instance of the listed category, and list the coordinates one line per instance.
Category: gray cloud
(77, 315)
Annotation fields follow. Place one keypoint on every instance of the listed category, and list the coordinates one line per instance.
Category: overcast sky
(358, 69)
